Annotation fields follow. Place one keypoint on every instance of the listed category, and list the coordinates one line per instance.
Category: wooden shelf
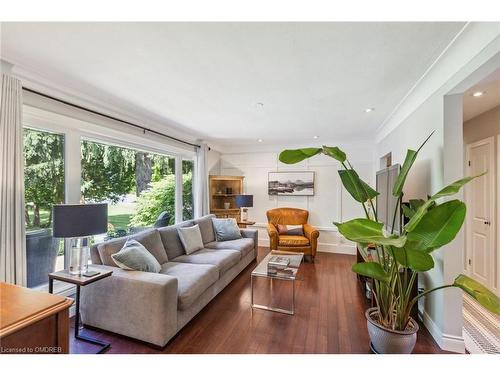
(219, 185)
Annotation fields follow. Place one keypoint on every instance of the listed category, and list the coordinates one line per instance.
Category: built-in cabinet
(223, 192)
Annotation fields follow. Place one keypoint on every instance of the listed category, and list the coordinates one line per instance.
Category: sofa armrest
(253, 234)
(273, 236)
(141, 305)
(312, 235)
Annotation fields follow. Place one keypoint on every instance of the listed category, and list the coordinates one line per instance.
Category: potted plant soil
(400, 256)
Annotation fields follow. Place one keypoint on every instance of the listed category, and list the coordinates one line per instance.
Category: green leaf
(410, 158)
(408, 211)
(416, 203)
(295, 156)
(335, 153)
(454, 187)
(411, 155)
(371, 269)
(438, 226)
(418, 216)
(479, 292)
(416, 260)
(368, 231)
(451, 189)
(358, 189)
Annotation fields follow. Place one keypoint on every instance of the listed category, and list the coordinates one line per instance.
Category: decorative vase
(388, 341)
(227, 205)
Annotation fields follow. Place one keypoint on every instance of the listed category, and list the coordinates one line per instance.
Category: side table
(80, 281)
(243, 223)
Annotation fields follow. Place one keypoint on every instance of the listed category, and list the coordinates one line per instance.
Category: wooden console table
(33, 322)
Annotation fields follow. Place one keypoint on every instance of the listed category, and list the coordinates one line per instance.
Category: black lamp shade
(79, 220)
(244, 200)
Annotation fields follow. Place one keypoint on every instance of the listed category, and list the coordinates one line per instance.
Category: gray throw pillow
(134, 256)
(191, 238)
(226, 229)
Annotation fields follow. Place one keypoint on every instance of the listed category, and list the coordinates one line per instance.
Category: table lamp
(77, 222)
(244, 201)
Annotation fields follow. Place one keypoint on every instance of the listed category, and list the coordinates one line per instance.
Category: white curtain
(201, 182)
(12, 238)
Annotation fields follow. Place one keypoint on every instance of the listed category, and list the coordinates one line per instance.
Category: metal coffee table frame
(261, 271)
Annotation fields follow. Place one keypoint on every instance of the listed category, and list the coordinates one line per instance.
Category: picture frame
(291, 183)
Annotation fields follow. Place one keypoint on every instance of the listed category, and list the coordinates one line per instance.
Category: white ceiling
(312, 78)
(490, 86)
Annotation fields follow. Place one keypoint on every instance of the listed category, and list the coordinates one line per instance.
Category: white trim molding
(323, 247)
(469, 42)
(447, 342)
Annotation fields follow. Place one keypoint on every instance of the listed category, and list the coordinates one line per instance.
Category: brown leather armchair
(306, 244)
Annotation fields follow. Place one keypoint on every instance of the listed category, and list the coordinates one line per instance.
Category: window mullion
(178, 189)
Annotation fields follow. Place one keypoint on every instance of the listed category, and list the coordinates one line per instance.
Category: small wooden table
(33, 322)
(243, 223)
(80, 281)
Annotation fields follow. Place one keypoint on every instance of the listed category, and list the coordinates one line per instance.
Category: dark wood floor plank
(329, 318)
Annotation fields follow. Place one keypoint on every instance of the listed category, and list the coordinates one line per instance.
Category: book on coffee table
(278, 262)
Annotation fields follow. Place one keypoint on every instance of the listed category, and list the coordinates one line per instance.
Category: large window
(44, 186)
(67, 161)
(138, 186)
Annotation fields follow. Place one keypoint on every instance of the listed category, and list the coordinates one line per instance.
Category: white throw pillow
(134, 256)
(191, 238)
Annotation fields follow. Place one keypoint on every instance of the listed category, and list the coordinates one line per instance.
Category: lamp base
(244, 214)
(79, 256)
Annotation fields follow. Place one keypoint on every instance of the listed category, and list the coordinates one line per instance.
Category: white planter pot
(388, 341)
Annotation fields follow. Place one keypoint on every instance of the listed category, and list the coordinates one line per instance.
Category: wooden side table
(80, 281)
(243, 224)
(33, 322)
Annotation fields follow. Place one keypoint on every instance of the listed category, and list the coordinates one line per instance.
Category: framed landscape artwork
(291, 183)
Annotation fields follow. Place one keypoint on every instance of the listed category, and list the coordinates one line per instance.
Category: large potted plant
(398, 257)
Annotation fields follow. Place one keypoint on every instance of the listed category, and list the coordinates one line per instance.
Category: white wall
(432, 107)
(330, 202)
(485, 125)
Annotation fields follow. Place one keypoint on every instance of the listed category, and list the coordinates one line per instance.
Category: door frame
(495, 227)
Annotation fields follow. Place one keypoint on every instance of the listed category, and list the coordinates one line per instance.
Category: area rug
(481, 329)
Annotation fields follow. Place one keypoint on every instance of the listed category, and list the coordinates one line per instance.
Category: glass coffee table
(288, 274)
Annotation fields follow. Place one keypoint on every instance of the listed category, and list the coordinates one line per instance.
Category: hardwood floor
(329, 318)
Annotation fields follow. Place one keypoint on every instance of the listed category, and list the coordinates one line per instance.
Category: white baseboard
(337, 248)
(324, 247)
(447, 342)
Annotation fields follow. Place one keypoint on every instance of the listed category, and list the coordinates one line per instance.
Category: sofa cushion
(243, 245)
(150, 239)
(191, 238)
(223, 259)
(206, 228)
(171, 241)
(226, 229)
(192, 280)
(135, 257)
(289, 240)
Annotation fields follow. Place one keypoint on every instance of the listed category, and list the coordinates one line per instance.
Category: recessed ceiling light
(368, 110)
(316, 137)
(260, 140)
(477, 94)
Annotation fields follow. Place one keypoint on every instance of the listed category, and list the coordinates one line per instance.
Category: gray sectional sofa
(153, 307)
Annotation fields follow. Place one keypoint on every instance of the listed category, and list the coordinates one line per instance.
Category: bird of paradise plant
(400, 256)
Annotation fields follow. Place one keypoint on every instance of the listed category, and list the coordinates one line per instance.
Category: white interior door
(480, 196)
